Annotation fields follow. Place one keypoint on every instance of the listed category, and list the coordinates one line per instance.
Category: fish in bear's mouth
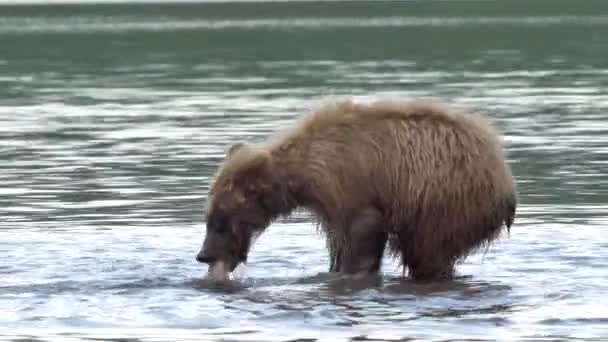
(218, 271)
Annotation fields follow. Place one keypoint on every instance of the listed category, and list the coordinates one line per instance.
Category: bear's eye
(250, 193)
(218, 222)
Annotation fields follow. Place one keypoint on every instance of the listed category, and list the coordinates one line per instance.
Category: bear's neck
(295, 182)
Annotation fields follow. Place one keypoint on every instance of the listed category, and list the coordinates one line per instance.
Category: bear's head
(241, 204)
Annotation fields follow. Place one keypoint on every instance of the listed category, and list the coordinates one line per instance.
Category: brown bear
(429, 181)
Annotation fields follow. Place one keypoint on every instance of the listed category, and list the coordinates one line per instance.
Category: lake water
(114, 117)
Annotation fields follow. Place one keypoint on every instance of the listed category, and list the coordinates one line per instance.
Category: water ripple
(83, 25)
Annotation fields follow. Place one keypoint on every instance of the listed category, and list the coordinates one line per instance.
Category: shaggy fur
(429, 181)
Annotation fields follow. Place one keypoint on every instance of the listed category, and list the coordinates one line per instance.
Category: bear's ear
(233, 148)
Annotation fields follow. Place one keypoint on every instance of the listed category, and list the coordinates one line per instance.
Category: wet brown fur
(436, 175)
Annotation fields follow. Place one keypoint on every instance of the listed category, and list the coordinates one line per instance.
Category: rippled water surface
(114, 117)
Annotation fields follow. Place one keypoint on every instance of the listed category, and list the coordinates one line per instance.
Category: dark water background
(113, 118)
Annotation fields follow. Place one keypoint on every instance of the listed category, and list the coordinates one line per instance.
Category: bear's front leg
(335, 255)
(364, 246)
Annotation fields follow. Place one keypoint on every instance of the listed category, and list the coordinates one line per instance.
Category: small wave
(97, 24)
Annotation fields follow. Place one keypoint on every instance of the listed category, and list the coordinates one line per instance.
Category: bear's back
(334, 115)
(386, 141)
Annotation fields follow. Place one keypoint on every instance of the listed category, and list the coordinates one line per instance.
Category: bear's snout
(204, 258)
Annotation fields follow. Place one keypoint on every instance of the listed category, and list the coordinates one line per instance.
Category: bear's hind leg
(430, 271)
(365, 247)
(424, 261)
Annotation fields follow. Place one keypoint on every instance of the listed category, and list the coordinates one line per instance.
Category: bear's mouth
(219, 270)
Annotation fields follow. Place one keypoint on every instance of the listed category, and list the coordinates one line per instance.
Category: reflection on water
(113, 120)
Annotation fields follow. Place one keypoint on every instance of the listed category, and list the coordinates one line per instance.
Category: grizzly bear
(428, 181)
